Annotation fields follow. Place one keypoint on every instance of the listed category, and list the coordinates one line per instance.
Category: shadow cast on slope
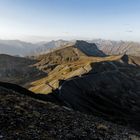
(111, 90)
(26, 92)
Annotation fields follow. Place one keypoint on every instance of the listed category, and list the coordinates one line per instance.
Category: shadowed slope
(23, 117)
(65, 71)
(18, 70)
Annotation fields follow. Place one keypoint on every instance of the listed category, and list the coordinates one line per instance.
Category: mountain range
(20, 48)
(67, 90)
(118, 47)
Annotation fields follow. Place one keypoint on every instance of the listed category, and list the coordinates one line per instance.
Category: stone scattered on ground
(23, 118)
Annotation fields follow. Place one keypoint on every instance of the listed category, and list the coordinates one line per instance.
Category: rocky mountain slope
(66, 54)
(23, 117)
(90, 49)
(104, 86)
(25, 70)
(66, 62)
(107, 46)
(70, 76)
(118, 47)
(71, 61)
(64, 71)
(111, 89)
(18, 70)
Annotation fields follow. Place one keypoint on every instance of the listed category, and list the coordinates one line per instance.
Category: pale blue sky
(70, 19)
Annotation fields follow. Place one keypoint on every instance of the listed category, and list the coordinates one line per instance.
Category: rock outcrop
(90, 49)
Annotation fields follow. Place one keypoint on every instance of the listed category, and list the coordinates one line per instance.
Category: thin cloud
(65, 32)
(129, 31)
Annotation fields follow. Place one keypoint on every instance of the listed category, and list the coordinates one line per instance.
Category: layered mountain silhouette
(66, 62)
(69, 53)
(46, 47)
(118, 47)
(21, 48)
(77, 76)
(16, 47)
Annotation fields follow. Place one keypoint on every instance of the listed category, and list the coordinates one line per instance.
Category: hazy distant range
(21, 48)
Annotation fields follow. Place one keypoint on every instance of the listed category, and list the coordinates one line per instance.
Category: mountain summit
(90, 49)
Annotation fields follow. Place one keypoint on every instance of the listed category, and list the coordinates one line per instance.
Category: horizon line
(57, 38)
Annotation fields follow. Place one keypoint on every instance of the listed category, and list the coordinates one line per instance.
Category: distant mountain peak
(89, 49)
